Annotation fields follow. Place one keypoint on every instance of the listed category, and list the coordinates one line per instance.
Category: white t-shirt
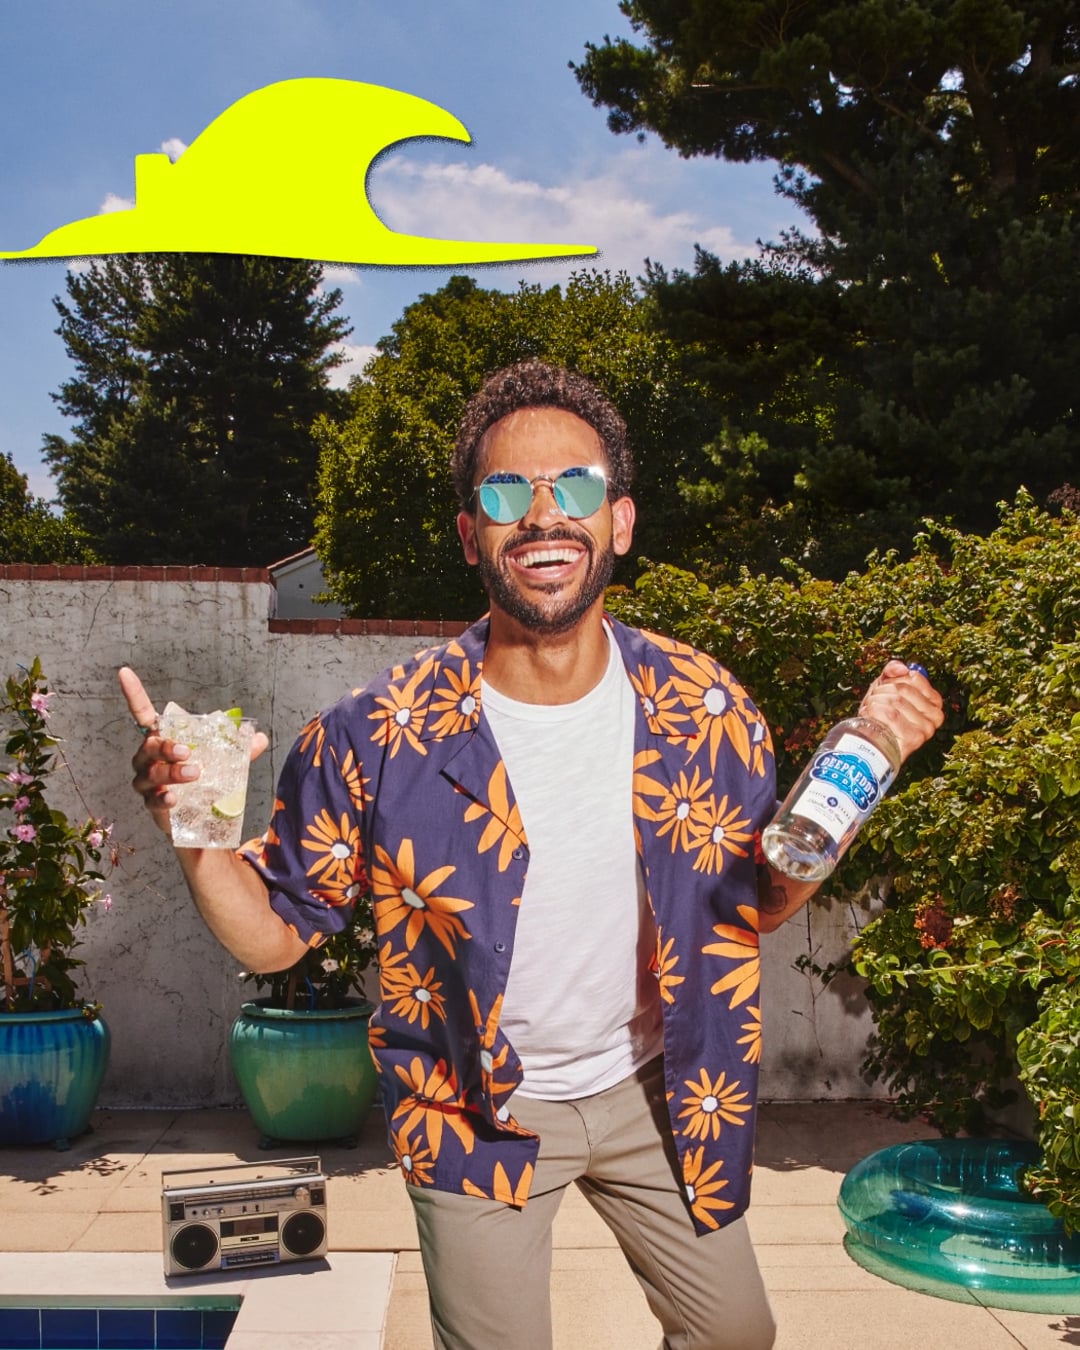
(582, 1009)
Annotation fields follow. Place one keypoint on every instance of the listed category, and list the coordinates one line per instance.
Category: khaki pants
(488, 1265)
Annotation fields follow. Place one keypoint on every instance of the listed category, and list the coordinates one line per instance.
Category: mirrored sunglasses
(578, 492)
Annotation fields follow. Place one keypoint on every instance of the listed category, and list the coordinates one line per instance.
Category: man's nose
(543, 509)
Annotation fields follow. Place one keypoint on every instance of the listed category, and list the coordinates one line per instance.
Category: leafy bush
(973, 964)
(52, 870)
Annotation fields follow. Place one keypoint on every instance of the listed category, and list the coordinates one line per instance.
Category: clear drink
(209, 813)
(852, 770)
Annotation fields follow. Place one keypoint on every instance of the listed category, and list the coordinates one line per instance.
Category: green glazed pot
(51, 1067)
(304, 1074)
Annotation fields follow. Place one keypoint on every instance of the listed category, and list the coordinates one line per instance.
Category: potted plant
(54, 1046)
(300, 1053)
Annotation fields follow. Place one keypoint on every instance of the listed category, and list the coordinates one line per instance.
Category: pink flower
(24, 833)
(106, 902)
(95, 838)
(20, 803)
(40, 704)
(20, 779)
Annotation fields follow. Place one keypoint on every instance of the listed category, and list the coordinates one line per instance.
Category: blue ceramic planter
(51, 1067)
(305, 1075)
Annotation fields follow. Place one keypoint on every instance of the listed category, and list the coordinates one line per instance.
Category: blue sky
(85, 85)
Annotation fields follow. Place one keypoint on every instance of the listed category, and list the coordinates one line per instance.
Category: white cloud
(619, 211)
(174, 147)
(341, 276)
(114, 203)
(356, 358)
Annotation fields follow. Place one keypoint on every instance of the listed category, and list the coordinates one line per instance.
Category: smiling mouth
(547, 557)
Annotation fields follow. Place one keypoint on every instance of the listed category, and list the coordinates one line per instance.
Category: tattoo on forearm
(772, 897)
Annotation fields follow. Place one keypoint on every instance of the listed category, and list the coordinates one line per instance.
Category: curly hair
(537, 384)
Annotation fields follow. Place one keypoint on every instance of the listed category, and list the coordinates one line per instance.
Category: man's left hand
(907, 703)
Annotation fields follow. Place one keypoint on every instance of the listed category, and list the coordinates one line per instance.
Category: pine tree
(198, 379)
(936, 150)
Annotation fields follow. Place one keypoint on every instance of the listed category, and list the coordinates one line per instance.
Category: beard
(561, 612)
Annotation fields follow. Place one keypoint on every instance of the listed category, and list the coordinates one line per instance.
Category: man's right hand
(158, 763)
(231, 896)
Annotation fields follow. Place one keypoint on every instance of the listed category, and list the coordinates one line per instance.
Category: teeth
(538, 557)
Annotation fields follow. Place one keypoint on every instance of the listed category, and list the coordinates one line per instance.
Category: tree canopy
(385, 530)
(198, 377)
(29, 531)
(914, 353)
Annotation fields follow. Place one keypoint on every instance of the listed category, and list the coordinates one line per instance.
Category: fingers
(907, 703)
(157, 762)
(138, 701)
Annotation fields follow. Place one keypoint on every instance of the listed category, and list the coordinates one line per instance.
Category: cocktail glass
(209, 812)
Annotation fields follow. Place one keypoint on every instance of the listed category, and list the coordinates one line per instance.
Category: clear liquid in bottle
(849, 774)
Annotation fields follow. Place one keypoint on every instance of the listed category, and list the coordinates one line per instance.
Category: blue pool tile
(21, 1328)
(69, 1329)
(126, 1328)
(179, 1329)
(216, 1328)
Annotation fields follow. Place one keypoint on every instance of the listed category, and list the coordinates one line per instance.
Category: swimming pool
(183, 1323)
(339, 1300)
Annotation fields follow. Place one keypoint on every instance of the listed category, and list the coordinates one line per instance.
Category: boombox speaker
(247, 1214)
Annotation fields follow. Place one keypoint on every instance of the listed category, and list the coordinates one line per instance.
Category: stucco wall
(204, 638)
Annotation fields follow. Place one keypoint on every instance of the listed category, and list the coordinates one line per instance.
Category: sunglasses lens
(580, 492)
(505, 497)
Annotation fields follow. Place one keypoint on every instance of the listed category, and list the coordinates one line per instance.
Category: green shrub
(973, 965)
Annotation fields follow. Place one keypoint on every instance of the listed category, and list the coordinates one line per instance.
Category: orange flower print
(416, 997)
(717, 705)
(402, 712)
(435, 1099)
(391, 970)
(660, 705)
(337, 869)
(752, 1039)
(682, 812)
(415, 1161)
(702, 1187)
(645, 787)
(741, 946)
(501, 1189)
(505, 827)
(666, 961)
(457, 701)
(490, 1062)
(720, 832)
(711, 1103)
(401, 898)
(376, 1041)
(355, 784)
(312, 734)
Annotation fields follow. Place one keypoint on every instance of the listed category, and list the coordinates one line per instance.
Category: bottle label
(844, 784)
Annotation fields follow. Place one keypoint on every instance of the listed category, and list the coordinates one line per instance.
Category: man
(558, 819)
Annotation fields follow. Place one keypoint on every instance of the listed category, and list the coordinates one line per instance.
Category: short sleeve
(311, 856)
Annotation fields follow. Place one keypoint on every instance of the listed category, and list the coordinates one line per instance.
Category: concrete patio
(99, 1205)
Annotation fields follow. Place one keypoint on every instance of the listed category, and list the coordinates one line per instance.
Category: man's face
(545, 571)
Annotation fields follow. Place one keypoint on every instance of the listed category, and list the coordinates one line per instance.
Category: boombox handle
(297, 1165)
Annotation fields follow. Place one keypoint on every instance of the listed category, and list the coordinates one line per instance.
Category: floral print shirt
(399, 787)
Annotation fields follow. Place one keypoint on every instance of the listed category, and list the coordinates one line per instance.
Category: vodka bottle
(852, 770)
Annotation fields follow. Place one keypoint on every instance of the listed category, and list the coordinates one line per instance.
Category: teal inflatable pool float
(948, 1217)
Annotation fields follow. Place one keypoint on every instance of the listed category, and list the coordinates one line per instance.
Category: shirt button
(500, 946)
(519, 853)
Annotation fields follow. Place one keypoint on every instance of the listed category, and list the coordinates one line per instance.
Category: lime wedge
(230, 807)
(234, 715)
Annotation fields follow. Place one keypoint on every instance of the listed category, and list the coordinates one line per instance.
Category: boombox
(247, 1214)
